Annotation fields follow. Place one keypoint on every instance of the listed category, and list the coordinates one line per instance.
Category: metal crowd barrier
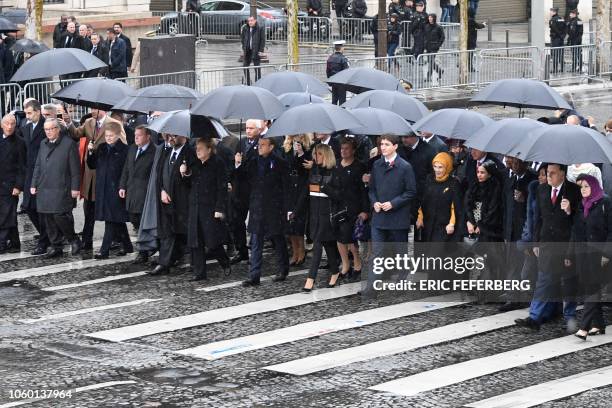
(311, 30)
(316, 69)
(183, 78)
(506, 63)
(605, 58)
(10, 98)
(400, 66)
(441, 70)
(570, 62)
(355, 31)
(215, 78)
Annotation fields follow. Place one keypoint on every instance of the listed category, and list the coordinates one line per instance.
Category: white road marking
(234, 284)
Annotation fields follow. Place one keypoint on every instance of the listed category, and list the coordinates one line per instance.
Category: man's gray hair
(50, 107)
(53, 120)
(259, 124)
(9, 116)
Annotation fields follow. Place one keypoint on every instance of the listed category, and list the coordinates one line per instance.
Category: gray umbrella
(239, 102)
(404, 105)
(358, 80)
(379, 122)
(521, 93)
(174, 122)
(453, 123)
(501, 136)
(564, 144)
(293, 99)
(99, 93)
(58, 61)
(29, 46)
(164, 98)
(7, 26)
(314, 117)
(288, 81)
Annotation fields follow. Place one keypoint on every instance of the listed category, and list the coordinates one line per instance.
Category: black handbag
(339, 217)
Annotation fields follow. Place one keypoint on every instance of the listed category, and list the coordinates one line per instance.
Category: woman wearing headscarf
(591, 251)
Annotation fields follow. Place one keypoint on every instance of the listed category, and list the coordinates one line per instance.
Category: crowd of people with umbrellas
(367, 175)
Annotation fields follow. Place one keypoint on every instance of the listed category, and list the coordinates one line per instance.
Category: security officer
(417, 29)
(557, 37)
(574, 37)
(569, 6)
(335, 63)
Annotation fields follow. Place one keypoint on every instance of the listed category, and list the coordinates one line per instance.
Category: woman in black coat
(590, 250)
(297, 151)
(207, 208)
(354, 199)
(108, 160)
(483, 206)
(324, 193)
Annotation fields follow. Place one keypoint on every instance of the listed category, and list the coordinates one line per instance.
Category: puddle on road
(187, 377)
(16, 292)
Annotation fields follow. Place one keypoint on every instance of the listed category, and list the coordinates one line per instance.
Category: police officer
(574, 37)
(569, 6)
(335, 63)
(417, 29)
(557, 37)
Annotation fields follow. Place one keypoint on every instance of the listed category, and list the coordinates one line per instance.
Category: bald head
(573, 120)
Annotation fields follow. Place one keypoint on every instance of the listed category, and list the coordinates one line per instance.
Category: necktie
(554, 196)
(93, 50)
(138, 153)
(390, 164)
(173, 158)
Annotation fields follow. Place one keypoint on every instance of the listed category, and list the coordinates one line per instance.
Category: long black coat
(438, 198)
(208, 195)
(489, 193)
(135, 177)
(241, 187)
(420, 159)
(321, 208)
(57, 172)
(12, 175)
(353, 195)
(109, 162)
(298, 176)
(515, 212)
(32, 139)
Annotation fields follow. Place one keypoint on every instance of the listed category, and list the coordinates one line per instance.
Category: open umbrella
(29, 46)
(164, 98)
(314, 117)
(58, 61)
(521, 93)
(564, 144)
(501, 136)
(288, 81)
(239, 102)
(453, 123)
(99, 93)
(293, 99)
(406, 106)
(379, 122)
(359, 80)
(7, 26)
(173, 122)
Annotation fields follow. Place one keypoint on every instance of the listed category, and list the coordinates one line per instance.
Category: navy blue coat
(118, 60)
(109, 163)
(397, 185)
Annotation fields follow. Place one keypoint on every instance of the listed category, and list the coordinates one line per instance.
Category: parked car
(15, 15)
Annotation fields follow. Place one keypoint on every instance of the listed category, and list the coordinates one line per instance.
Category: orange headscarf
(447, 161)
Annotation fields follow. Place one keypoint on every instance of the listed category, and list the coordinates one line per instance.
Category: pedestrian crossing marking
(226, 313)
(396, 345)
(456, 373)
(234, 284)
(549, 391)
(303, 331)
(94, 281)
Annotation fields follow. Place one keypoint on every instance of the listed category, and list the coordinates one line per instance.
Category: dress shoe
(3, 250)
(239, 258)
(39, 251)
(13, 249)
(159, 269)
(141, 258)
(280, 278)
(101, 256)
(249, 283)
(509, 306)
(527, 322)
(54, 253)
(87, 246)
(76, 246)
(199, 277)
(115, 245)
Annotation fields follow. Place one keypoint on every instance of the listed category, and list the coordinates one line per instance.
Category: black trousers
(251, 56)
(338, 94)
(38, 222)
(239, 228)
(115, 231)
(89, 210)
(171, 249)
(4, 236)
(331, 249)
(59, 226)
(557, 56)
(115, 75)
(135, 221)
(593, 311)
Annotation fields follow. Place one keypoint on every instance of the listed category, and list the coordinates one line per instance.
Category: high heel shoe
(300, 262)
(308, 288)
(292, 263)
(596, 332)
(581, 336)
(333, 285)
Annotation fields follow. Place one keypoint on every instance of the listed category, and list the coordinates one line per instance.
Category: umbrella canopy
(564, 144)
(176, 122)
(29, 46)
(454, 123)
(288, 81)
(99, 93)
(58, 61)
(404, 105)
(314, 117)
(521, 93)
(293, 99)
(379, 122)
(359, 80)
(164, 98)
(502, 136)
(7, 26)
(239, 102)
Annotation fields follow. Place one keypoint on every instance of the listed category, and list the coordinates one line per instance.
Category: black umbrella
(521, 93)
(359, 80)
(239, 102)
(379, 122)
(404, 105)
(99, 93)
(288, 81)
(7, 26)
(314, 117)
(564, 144)
(29, 46)
(502, 136)
(453, 123)
(164, 98)
(293, 99)
(58, 61)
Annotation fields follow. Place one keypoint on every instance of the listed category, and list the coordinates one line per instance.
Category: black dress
(352, 197)
(299, 191)
(484, 209)
(438, 198)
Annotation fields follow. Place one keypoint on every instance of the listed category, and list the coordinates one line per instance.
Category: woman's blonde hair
(329, 159)
(307, 140)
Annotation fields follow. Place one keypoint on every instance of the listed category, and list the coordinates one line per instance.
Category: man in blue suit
(392, 187)
(116, 55)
